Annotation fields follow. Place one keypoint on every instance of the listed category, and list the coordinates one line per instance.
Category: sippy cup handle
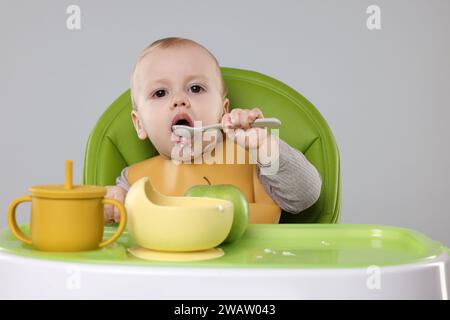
(122, 224)
(12, 223)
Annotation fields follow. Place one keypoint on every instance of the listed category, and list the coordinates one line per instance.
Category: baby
(178, 81)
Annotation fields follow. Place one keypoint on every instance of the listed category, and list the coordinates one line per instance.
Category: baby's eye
(160, 93)
(196, 88)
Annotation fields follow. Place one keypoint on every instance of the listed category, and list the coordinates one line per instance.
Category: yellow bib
(173, 179)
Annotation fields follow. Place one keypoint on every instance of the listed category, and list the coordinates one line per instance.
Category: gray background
(385, 93)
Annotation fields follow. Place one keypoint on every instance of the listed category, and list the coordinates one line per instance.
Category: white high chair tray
(289, 261)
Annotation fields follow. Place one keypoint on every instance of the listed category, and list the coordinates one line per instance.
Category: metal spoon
(272, 123)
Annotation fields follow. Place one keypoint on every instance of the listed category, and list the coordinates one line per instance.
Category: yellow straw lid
(68, 190)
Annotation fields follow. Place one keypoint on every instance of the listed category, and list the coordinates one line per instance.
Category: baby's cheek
(162, 141)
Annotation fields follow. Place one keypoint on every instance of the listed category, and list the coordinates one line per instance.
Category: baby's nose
(180, 101)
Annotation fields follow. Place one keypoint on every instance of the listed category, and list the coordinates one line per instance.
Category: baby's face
(176, 85)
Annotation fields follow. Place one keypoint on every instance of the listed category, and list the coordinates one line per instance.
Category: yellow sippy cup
(66, 217)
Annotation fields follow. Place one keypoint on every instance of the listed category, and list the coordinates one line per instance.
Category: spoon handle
(272, 123)
(212, 126)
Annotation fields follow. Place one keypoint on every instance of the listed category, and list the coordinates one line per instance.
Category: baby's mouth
(185, 120)
(182, 119)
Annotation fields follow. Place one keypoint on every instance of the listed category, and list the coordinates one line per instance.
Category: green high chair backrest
(113, 144)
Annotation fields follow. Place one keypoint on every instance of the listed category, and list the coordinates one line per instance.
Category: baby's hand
(111, 213)
(237, 124)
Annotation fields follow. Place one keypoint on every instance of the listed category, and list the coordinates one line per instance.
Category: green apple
(230, 193)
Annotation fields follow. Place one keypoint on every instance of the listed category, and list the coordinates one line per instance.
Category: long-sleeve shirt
(294, 187)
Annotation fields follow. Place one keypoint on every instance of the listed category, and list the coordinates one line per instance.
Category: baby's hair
(169, 43)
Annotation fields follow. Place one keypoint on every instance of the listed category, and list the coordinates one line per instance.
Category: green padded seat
(113, 143)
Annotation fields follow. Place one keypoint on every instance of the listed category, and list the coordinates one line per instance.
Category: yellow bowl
(176, 224)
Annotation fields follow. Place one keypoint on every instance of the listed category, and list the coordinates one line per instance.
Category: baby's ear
(226, 105)
(138, 125)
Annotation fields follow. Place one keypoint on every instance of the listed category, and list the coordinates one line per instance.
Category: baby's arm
(117, 192)
(297, 184)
